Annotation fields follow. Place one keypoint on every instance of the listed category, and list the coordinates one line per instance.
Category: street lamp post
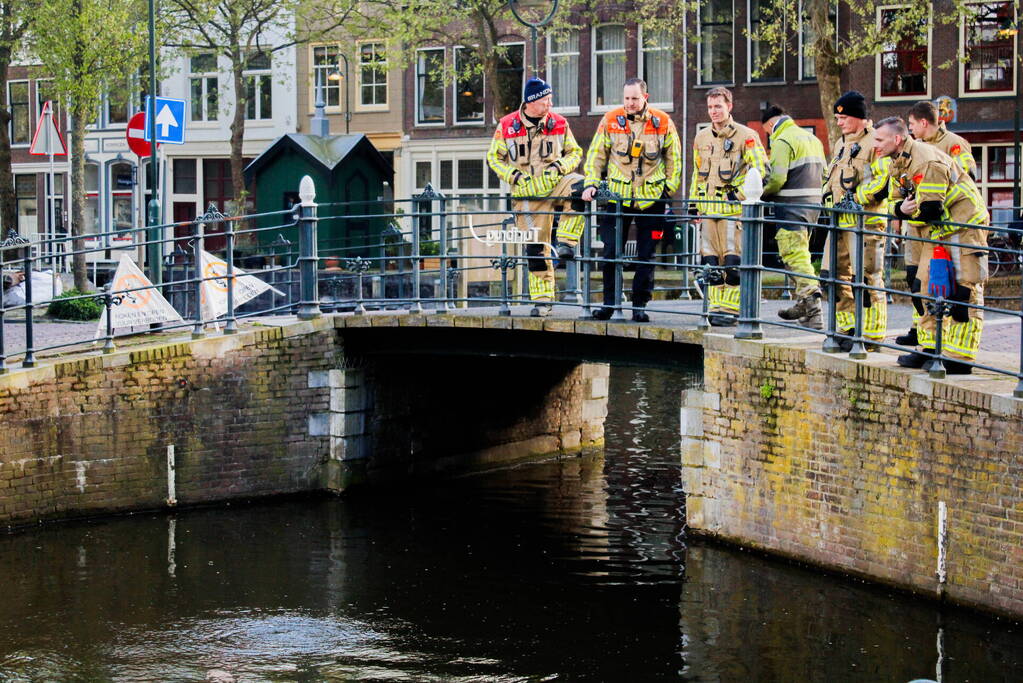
(320, 123)
(535, 14)
(335, 76)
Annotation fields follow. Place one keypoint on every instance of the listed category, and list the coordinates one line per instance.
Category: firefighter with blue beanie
(534, 151)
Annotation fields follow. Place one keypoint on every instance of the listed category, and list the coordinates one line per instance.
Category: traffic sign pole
(154, 248)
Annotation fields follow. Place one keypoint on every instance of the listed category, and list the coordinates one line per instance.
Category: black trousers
(647, 221)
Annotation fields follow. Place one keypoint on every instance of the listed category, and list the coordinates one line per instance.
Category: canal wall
(270, 411)
(872, 471)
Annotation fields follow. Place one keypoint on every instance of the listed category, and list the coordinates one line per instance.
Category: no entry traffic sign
(136, 135)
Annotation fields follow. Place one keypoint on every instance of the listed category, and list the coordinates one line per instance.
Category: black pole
(153, 246)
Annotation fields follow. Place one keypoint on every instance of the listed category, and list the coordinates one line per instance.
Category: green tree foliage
(244, 32)
(15, 20)
(83, 46)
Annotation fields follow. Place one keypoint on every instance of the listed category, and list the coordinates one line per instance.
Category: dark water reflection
(560, 571)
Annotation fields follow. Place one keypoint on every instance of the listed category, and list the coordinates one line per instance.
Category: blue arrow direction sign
(170, 120)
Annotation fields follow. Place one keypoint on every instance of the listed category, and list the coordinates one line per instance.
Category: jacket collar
(728, 129)
(784, 123)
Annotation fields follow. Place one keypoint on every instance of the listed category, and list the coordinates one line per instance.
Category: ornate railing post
(834, 234)
(586, 258)
(108, 300)
(212, 215)
(603, 197)
(858, 350)
(308, 256)
(749, 269)
(443, 305)
(939, 308)
(705, 278)
(231, 326)
(428, 195)
(504, 263)
(359, 266)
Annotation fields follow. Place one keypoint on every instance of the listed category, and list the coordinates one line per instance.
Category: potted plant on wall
(430, 249)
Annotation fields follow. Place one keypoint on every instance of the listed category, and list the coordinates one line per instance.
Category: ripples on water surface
(562, 571)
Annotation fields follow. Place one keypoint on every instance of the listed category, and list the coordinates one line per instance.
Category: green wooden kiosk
(348, 172)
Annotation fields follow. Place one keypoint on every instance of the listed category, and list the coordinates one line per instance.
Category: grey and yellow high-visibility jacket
(797, 165)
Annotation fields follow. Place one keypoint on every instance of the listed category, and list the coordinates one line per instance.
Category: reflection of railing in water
(427, 255)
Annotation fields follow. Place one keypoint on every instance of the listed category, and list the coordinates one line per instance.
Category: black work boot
(639, 315)
(566, 252)
(723, 319)
(954, 367)
(908, 339)
(913, 360)
(603, 313)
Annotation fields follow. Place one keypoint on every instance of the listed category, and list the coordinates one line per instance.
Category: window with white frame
(468, 86)
(203, 86)
(325, 62)
(46, 92)
(563, 68)
(20, 129)
(510, 74)
(989, 48)
(119, 103)
(655, 65)
(608, 64)
(996, 168)
(258, 87)
(430, 86)
(766, 62)
(460, 173)
(27, 203)
(372, 75)
(902, 62)
(717, 41)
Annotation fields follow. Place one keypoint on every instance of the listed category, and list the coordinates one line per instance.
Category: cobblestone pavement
(999, 348)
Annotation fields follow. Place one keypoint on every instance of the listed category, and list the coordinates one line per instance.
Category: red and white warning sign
(47, 139)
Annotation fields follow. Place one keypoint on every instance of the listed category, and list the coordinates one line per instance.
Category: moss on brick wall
(845, 464)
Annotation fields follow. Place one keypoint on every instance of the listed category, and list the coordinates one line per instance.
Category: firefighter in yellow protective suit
(857, 175)
(929, 187)
(534, 151)
(636, 147)
(722, 154)
(925, 126)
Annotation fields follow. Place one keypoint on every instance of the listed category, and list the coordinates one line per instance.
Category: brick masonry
(845, 465)
(268, 411)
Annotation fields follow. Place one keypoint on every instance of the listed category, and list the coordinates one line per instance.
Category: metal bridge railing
(432, 252)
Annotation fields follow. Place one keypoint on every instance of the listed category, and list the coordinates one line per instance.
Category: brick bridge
(853, 465)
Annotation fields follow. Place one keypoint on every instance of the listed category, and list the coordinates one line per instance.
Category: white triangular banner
(142, 307)
(214, 291)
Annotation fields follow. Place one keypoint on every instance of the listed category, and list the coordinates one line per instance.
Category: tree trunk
(829, 71)
(78, 227)
(238, 134)
(8, 203)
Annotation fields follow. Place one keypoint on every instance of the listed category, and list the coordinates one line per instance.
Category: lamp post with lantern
(534, 14)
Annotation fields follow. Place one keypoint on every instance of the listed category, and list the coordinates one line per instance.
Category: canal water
(575, 570)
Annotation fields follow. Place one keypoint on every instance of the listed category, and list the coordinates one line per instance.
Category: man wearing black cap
(534, 151)
(793, 184)
(857, 176)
